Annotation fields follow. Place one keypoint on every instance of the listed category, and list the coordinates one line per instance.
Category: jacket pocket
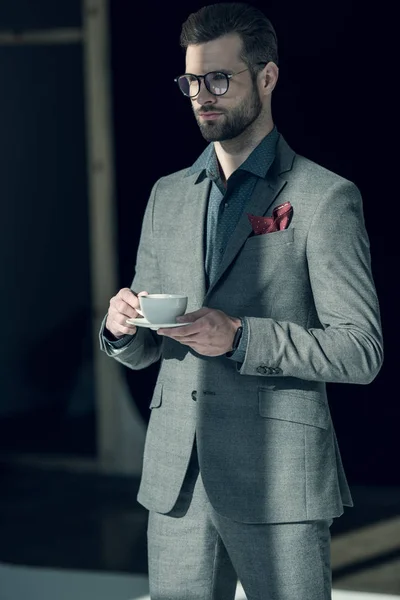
(274, 238)
(296, 409)
(156, 400)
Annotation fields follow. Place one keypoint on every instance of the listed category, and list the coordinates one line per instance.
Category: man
(242, 473)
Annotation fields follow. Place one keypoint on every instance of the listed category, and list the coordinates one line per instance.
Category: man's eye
(218, 76)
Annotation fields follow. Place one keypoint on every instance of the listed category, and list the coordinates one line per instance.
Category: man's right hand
(123, 306)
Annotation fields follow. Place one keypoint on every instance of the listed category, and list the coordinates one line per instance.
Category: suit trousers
(194, 553)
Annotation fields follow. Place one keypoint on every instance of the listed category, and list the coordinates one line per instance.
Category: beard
(231, 125)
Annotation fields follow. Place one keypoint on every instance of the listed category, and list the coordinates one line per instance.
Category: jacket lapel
(263, 200)
(195, 207)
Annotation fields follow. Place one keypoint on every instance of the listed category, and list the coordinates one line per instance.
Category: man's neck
(233, 153)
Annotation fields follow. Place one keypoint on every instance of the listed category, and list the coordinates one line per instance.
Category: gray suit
(266, 445)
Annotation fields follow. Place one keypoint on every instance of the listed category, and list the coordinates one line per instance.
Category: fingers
(120, 329)
(122, 307)
(186, 332)
(129, 296)
(126, 302)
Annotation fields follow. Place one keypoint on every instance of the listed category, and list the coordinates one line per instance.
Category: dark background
(334, 104)
(46, 371)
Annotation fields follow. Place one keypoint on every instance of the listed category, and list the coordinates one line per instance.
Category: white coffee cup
(162, 308)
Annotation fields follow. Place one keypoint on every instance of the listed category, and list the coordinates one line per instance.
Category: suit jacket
(266, 444)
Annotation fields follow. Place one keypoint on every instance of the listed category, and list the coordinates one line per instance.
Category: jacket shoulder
(314, 177)
(173, 178)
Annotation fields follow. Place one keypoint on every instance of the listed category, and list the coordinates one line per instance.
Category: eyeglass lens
(216, 83)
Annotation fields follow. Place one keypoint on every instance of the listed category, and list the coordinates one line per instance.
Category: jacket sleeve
(348, 347)
(145, 347)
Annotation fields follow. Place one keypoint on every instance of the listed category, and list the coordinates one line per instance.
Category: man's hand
(123, 306)
(211, 332)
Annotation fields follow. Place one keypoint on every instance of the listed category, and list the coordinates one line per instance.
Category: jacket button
(194, 395)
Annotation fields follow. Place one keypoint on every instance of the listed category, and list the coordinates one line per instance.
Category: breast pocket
(297, 409)
(257, 243)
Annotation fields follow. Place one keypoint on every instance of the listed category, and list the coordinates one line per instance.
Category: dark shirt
(227, 204)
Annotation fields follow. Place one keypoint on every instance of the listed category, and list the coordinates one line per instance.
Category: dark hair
(259, 41)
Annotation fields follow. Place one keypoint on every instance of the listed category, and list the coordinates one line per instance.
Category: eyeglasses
(216, 82)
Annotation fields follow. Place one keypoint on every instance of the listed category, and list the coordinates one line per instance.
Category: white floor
(28, 583)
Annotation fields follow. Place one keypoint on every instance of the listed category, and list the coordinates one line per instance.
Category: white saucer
(142, 322)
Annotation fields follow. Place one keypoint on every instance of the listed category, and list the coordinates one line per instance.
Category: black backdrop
(333, 104)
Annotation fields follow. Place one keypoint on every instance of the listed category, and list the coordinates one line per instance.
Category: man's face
(234, 111)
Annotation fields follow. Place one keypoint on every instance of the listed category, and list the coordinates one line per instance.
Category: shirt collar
(257, 163)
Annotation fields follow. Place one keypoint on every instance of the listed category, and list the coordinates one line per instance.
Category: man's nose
(204, 96)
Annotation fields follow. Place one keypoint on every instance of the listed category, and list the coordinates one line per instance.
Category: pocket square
(281, 216)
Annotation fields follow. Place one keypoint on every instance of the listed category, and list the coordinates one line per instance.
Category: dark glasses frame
(228, 77)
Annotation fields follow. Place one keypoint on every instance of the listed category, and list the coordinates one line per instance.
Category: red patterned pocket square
(280, 220)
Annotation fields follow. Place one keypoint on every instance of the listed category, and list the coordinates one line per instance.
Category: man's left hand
(211, 332)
